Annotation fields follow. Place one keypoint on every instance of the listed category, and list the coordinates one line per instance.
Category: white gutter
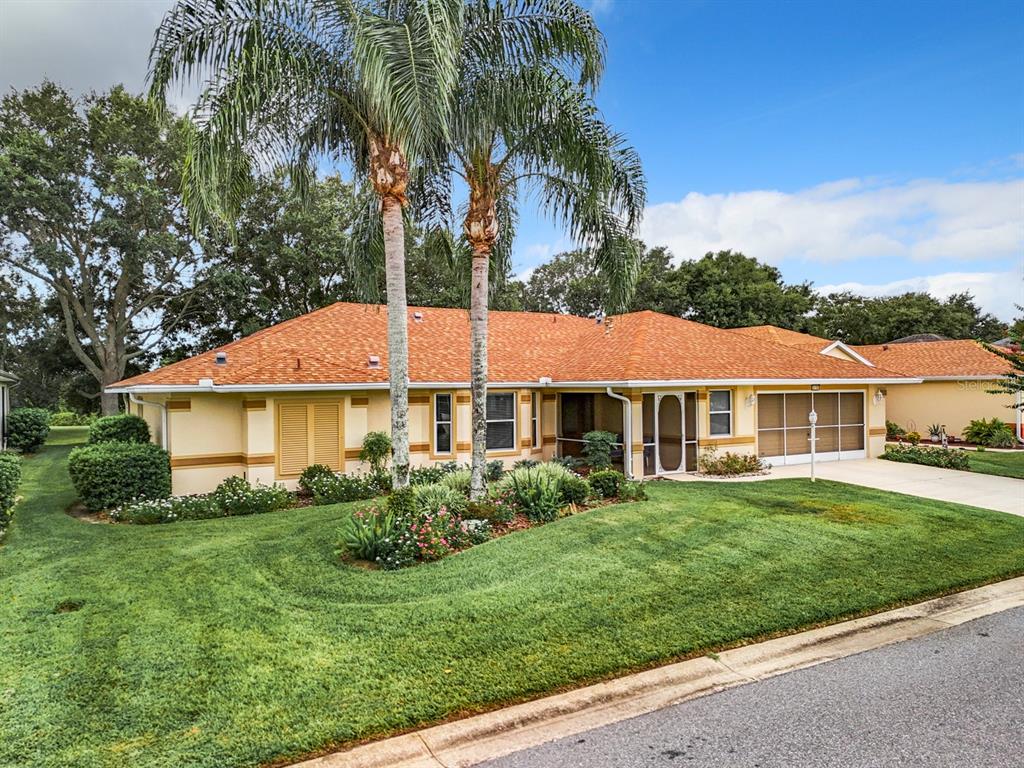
(627, 432)
(383, 385)
(163, 416)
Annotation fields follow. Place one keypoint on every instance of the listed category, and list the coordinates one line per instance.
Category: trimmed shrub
(108, 475)
(27, 429)
(338, 489)
(894, 430)
(154, 511)
(948, 458)
(376, 450)
(10, 477)
(431, 475)
(491, 510)
(312, 475)
(574, 489)
(71, 419)
(729, 464)
(994, 433)
(597, 447)
(606, 482)
(237, 497)
(494, 470)
(913, 437)
(119, 428)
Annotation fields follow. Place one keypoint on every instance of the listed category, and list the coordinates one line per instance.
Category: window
(442, 423)
(720, 408)
(501, 421)
(535, 418)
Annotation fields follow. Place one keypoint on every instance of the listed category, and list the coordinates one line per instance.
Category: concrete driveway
(1003, 494)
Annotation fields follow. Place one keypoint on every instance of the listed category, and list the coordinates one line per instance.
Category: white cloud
(995, 292)
(848, 219)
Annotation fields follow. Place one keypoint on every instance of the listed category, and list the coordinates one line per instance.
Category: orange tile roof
(784, 336)
(949, 358)
(332, 346)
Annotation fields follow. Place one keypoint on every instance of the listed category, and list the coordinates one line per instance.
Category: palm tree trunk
(478, 370)
(398, 338)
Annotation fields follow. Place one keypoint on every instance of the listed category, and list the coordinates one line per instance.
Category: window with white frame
(501, 421)
(535, 418)
(720, 409)
(442, 423)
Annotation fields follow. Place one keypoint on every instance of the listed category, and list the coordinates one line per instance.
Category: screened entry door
(670, 433)
(784, 428)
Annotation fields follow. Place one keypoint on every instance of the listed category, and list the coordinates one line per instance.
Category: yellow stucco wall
(954, 403)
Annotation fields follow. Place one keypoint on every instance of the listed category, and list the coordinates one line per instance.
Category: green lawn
(243, 641)
(992, 463)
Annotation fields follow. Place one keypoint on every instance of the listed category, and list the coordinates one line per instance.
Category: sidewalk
(484, 737)
(1002, 494)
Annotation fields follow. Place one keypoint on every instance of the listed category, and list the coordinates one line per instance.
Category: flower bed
(427, 522)
(947, 458)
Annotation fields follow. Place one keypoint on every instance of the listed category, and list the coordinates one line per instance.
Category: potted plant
(935, 432)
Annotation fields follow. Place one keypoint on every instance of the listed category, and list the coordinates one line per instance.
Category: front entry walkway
(1003, 494)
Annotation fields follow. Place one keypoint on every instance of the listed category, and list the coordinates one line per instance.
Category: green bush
(489, 510)
(108, 475)
(894, 430)
(27, 429)
(525, 464)
(570, 487)
(534, 492)
(632, 490)
(913, 437)
(312, 475)
(237, 497)
(369, 533)
(458, 480)
(494, 471)
(154, 511)
(71, 419)
(376, 450)
(431, 499)
(948, 458)
(574, 489)
(119, 428)
(993, 433)
(10, 477)
(569, 462)
(597, 447)
(729, 464)
(432, 474)
(338, 489)
(606, 482)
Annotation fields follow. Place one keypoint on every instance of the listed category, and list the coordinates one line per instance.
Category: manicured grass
(1004, 464)
(242, 641)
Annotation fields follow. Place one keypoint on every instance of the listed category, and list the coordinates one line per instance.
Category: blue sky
(876, 146)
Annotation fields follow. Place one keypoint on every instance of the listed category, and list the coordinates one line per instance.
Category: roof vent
(221, 358)
(373, 361)
(417, 316)
(885, 347)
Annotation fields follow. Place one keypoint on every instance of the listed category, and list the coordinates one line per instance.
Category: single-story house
(309, 389)
(956, 378)
(7, 380)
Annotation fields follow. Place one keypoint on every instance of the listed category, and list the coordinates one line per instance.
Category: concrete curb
(483, 737)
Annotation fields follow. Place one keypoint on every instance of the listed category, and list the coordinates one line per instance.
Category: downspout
(1020, 417)
(627, 432)
(163, 416)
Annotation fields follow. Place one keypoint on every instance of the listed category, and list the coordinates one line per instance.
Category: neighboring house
(7, 380)
(955, 377)
(308, 390)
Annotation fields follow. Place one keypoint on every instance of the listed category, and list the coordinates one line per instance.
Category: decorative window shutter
(327, 435)
(294, 432)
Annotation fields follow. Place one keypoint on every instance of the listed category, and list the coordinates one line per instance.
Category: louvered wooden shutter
(327, 436)
(294, 430)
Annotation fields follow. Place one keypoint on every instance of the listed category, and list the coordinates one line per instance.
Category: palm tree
(528, 126)
(288, 81)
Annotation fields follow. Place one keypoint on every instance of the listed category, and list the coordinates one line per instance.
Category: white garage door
(784, 429)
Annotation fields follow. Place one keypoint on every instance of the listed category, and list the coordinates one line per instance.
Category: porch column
(637, 429)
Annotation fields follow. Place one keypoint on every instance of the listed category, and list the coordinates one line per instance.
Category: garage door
(784, 429)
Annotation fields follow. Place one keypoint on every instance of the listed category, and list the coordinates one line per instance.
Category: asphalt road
(954, 698)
